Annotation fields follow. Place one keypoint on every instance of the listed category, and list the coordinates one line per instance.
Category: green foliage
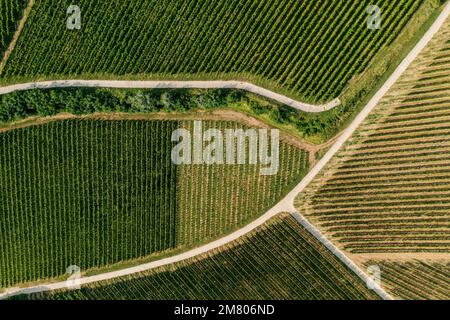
(18, 105)
(280, 260)
(309, 49)
(93, 193)
(10, 13)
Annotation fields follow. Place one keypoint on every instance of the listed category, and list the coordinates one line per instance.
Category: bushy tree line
(21, 104)
(10, 12)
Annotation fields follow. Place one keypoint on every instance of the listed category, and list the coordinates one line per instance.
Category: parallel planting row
(213, 199)
(10, 13)
(416, 280)
(280, 260)
(308, 49)
(84, 193)
(92, 193)
(389, 189)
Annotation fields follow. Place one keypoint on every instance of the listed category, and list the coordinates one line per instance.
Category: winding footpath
(285, 205)
(124, 84)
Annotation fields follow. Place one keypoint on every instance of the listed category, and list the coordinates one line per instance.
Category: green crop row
(308, 48)
(93, 193)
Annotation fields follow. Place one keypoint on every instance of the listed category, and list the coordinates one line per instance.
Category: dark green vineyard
(280, 260)
(308, 49)
(92, 193)
(72, 194)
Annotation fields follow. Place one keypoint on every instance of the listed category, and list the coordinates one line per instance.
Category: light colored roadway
(285, 205)
(174, 85)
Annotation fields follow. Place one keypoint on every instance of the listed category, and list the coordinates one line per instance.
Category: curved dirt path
(174, 85)
(285, 205)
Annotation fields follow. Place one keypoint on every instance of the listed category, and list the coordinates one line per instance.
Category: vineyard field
(416, 280)
(279, 260)
(309, 49)
(10, 13)
(388, 189)
(231, 150)
(92, 193)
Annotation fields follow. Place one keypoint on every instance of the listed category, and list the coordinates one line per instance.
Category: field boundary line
(151, 265)
(286, 204)
(348, 132)
(340, 255)
(20, 26)
(156, 84)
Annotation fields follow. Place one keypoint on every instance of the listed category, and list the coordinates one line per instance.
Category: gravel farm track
(126, 84)
(285, 205)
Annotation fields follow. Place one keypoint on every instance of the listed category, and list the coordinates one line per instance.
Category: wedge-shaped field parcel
(388, 190)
